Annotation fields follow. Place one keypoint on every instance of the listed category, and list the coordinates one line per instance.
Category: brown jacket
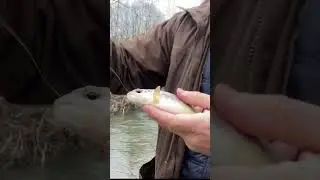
(251, 50)
(171, 55)
(67, 41)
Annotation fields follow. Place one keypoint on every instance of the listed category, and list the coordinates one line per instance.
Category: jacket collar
(200, 13)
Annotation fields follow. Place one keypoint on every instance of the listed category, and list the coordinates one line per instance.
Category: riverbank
(119, 104)
(27, 138)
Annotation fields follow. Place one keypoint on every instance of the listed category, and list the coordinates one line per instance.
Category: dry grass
(119, 104)
(26, 138)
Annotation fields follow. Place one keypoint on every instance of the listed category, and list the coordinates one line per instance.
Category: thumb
(272, 117)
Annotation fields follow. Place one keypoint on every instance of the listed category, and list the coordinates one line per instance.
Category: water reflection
(132, 143)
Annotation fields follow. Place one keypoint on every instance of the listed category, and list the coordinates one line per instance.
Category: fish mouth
(132, 98)
(135, 99)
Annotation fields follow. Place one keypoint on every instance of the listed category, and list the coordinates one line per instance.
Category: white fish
(229, 147)
(88, 118)
(161, 99)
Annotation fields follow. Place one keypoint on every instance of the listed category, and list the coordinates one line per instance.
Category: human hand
(194, 129)
(270, 117)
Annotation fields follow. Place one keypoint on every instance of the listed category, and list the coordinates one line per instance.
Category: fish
(161, 99)
(84, 111)
(229, 146)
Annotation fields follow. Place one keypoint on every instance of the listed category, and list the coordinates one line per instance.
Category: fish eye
(92, 95)
(138, 91)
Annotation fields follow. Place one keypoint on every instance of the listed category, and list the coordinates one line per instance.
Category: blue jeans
(195, 166)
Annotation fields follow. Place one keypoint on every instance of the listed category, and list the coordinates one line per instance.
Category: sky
(169, 7)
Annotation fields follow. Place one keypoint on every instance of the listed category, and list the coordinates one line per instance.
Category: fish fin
(156, 95)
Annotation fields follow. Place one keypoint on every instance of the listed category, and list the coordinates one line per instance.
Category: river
(132, 143)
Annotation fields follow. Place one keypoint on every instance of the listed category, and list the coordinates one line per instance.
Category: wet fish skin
(167, 101)
(229, 147)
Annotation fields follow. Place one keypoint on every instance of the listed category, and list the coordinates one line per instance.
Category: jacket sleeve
(143, 61)
(19, 16)
(68, 41)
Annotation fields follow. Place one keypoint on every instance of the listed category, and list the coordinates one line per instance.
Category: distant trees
(131, 19)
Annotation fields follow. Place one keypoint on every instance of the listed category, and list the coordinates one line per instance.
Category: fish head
(140, 96)
(85, 112)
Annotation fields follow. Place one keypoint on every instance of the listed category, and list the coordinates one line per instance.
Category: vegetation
(119, 104)
(27, 138)
(131, 19)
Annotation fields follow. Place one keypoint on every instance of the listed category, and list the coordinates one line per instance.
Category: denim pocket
(196, 166)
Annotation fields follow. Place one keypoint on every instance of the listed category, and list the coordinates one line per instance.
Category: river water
(132, 142)
(133, 139)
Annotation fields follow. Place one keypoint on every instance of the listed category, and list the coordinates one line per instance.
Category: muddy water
(132, 143)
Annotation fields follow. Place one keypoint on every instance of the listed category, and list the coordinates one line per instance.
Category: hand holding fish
(193, 128)
(271, 117)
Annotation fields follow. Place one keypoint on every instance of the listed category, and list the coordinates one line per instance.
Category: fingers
(197, 109)
(187, 118)
(193, 128)
(194, 98)
(281, 151)
(163, 118)
(270, 117)
(179, 124)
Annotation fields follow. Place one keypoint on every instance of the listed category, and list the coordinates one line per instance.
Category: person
(251, 45)
(194, 130)
(173, 54)
(295, 124)
(254, 48)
